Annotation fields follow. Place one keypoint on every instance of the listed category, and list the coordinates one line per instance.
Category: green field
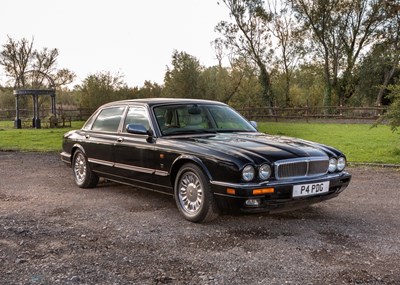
(28, 139)
(359, 142)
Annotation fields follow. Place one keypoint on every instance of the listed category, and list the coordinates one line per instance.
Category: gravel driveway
(52, 232)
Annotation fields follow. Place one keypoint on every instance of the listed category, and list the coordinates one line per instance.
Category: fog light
(253, 202)
(231, 191)
(263, 191)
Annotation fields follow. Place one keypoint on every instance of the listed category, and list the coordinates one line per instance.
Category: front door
(134, 154)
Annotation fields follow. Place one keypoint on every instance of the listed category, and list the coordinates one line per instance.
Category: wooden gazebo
(41, 84)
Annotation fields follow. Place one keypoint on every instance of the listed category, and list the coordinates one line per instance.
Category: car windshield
(199, 119)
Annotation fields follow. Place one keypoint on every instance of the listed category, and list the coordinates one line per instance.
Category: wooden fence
(310, 113)
(79, 114)
(251, 113)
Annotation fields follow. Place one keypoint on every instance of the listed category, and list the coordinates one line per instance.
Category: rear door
(101, 137)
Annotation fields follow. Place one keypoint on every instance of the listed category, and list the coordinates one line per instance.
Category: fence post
(306, 113)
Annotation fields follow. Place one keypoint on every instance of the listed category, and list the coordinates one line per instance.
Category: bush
(392, 116)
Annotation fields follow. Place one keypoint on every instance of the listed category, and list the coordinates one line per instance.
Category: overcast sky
(135, 38)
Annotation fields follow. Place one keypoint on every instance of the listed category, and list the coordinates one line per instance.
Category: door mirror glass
(137, 129)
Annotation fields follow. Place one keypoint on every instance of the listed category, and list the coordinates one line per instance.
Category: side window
(108, 120)
(137, 116)
(167, 117)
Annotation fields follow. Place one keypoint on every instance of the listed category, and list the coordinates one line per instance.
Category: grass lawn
(29, 139)
(359, 142)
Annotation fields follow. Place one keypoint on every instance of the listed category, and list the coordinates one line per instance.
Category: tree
(374, 73)
(248, 91)
(248, 37)
(393, 113)
(63, 77)
(219, 49)
(307, 87)
(100, 88)
(148, 90)
(289, 41)
(220, 83)
(182, 81)
(362, 26)
(19, 57)
(341, 30)
(391, 46)
(15, 58)
(7, 99)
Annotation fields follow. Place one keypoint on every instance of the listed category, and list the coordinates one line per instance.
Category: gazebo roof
(34, 92)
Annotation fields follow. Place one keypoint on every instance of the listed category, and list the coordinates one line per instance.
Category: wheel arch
(74, 148)
(183, 159)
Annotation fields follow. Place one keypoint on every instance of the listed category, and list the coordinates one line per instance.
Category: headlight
(248, 173)
(332, 165)
(341, 163)
(264, 172)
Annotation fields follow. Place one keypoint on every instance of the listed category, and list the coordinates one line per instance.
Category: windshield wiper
(234, 131)
(188, 131)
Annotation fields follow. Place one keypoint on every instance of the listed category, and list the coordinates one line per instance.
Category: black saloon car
(205, 154)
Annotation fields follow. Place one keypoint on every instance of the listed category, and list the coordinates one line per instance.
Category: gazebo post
(17, 121)
(53, 104)
(36, 112)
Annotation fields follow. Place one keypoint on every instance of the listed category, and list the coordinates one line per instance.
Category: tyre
(193, 195)
(83, 174)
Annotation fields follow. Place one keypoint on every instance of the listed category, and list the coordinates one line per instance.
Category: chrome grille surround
(301, 167)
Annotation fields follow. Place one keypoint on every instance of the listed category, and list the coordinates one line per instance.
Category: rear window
(108, 120)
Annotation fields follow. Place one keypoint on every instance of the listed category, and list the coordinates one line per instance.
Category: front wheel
(83, 174)
(193, 195)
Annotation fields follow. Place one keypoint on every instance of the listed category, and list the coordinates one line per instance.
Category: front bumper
(281, 199)
(66, 158)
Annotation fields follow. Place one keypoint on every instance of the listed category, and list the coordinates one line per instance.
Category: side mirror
(138, 129)
(254, 124)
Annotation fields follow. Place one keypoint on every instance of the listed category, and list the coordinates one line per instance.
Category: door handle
(120, 140)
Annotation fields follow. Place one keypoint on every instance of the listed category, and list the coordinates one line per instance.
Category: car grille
(301, 167)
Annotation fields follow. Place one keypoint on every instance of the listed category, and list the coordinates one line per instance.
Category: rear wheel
(193, 195)
(83, 174)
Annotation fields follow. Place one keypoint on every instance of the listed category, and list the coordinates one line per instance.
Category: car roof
(161, 101)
